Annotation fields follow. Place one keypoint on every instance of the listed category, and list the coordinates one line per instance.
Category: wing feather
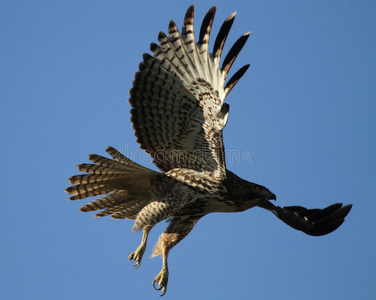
(233, 53)
(178, 110)
(314, 222)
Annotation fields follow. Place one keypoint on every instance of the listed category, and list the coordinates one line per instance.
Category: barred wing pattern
(178, 98)
(178, 113)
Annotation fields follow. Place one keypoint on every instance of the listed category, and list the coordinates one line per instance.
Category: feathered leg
(139, 253)
(155, 212)
(178, 229)
(172, 196)
(162, 278)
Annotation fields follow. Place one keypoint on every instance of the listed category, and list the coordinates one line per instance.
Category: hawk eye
(257, 189)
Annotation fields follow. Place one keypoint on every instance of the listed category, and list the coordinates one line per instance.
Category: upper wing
(178, 97)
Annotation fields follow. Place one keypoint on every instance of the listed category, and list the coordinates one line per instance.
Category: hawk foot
(161, 280)
(137, 256)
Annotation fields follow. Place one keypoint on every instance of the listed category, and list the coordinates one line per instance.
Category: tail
(126, 184)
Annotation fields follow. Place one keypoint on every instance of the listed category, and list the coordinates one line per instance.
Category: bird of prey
(178, 114)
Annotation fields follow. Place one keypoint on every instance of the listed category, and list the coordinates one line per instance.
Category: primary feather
(178, 114)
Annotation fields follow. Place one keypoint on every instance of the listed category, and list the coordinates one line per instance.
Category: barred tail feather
(82, 191)
(125, 183)
(111, 199)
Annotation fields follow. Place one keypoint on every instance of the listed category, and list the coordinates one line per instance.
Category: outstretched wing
(178, 97)
(314, 222)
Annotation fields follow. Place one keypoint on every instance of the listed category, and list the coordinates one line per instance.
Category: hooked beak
(273, 197)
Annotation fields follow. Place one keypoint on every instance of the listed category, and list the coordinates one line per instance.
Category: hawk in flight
(178, 114)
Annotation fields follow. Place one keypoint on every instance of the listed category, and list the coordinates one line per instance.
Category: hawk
(178, 114)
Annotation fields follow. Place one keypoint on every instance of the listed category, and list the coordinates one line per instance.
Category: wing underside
(178, 110)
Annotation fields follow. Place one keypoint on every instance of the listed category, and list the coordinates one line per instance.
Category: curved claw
(132, 258)
(161, 287)
(160, 282)
(137, 256)
(136, 265)
(156, 288)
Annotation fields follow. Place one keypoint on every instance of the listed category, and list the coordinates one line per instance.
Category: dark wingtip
(222, 35)
(330, 219)
(234, 52)
(315, 222)
(347, 209)
(231, 17)
(212, 10)
(189, 14)
(172, 27)
(109, 148)
(207, 23)
(328, 228)
(235, 78)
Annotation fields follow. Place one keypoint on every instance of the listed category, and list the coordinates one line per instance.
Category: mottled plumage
(178, 114)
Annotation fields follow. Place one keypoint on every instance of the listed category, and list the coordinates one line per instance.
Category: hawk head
(246, 194)
(261, 192)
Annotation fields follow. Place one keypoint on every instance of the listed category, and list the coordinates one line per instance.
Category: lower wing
(314, 222)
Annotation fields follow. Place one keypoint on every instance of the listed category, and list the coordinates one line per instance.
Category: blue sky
(305, 110)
